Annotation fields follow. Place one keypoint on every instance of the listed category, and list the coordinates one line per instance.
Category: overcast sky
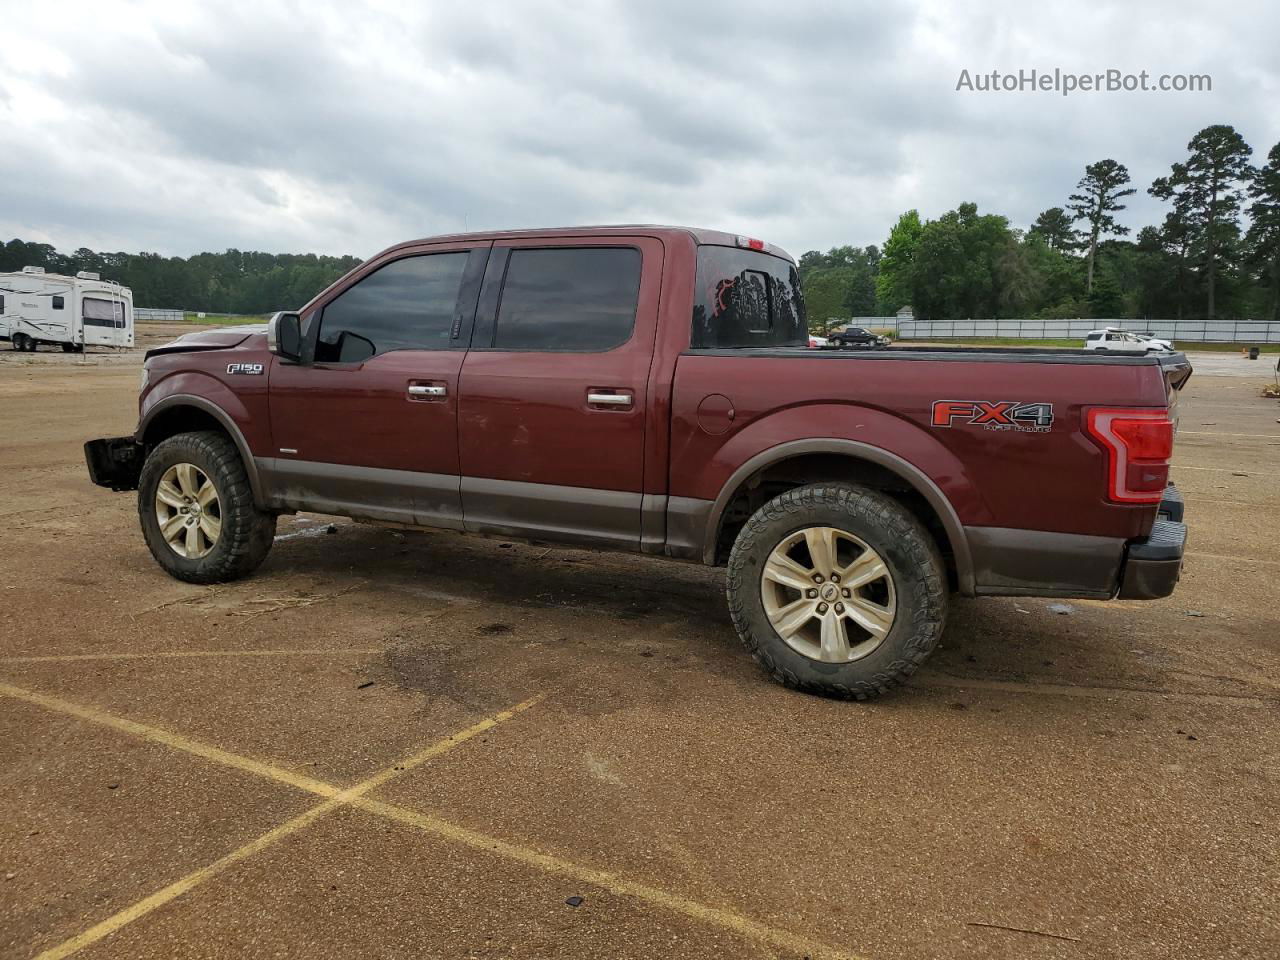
(342, 128)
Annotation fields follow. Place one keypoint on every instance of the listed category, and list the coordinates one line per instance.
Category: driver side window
(407, 304)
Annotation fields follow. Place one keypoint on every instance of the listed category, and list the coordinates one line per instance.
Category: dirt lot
(422, 745)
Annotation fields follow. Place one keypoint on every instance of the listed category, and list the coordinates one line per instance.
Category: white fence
(151, 313)
(1220, 331)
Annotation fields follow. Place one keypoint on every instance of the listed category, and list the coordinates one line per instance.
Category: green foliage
(894, 282)
(839, 284)
(1101, 189)
(236, 281)
(1263, 239)
(1054, 227)
(1207, 192)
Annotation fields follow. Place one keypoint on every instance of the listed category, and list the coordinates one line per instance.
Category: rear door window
(575, 299)
(745, 298)
(406, 304)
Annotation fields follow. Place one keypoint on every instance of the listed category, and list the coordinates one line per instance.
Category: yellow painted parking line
(178, 654)
(610, 882)
(338, 798)
(169, 739)
(443, 829)
(174, 890)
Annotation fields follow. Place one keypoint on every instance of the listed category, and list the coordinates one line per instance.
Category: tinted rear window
(579, 299)
(747, 299)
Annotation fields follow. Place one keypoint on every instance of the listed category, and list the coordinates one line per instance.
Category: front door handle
(427, 391)
(609, 399)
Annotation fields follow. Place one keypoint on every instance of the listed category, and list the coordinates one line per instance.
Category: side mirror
(284, 336)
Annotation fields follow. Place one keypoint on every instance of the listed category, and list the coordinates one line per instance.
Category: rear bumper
(1035, 563)
(114, 462)
(1153, 565)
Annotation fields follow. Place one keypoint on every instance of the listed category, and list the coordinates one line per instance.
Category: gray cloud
(327, 127)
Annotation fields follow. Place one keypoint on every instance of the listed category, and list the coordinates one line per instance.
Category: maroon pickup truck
(650, 389)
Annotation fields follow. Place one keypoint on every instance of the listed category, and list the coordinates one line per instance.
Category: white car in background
(1112, 338)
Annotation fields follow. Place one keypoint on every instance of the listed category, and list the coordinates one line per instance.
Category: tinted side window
(579, 299)
(406, 305)
(747, 299)
(58, 303)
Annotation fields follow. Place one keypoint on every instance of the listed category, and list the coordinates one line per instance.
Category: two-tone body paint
(516, 436)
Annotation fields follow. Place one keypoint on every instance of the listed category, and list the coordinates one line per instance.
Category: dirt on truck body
(649, 389)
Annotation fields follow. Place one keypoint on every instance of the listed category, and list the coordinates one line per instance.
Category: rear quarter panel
(1052, 481)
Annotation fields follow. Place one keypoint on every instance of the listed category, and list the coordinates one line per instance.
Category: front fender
(209, 395)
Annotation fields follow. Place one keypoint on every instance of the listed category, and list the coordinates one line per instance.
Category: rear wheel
(197, 511)
(837, 589)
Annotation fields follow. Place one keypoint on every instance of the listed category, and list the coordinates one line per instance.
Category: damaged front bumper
(114, 462)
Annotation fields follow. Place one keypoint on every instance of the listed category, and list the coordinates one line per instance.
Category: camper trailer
(71, 312)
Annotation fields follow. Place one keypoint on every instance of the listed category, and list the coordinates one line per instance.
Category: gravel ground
(1100, 783)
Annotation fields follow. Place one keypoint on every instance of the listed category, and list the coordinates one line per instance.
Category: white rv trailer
(72, 312)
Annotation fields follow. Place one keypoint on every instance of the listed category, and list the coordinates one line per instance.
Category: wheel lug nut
(835, 578)
(817, 578)
(811, 594)
(847, 593)
(839, 608)
(822, 608)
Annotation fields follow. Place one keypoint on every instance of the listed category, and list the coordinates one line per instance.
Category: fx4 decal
(997, 415)
(254, 369)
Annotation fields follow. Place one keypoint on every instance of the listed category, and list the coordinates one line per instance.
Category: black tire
(246, 532)
(67, 348)
(909, 553)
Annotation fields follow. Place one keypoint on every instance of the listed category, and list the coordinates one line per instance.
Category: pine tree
(1053, 226)
(1263, 238)
(1207, 191)
(1101, 189)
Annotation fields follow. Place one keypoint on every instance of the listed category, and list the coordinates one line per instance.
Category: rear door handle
(609, 399)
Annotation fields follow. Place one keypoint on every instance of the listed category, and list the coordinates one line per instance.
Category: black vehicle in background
(857, 337)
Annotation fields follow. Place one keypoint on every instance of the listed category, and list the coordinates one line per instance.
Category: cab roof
(700, 235)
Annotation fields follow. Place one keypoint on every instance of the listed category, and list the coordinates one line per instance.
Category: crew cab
(650, 389)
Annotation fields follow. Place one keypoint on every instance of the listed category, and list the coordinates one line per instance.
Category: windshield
(745, 298)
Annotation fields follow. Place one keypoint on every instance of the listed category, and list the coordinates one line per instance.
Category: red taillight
(751, 243)
(1139, 444)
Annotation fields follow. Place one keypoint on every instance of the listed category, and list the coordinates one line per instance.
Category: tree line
(1076, 260)
(237, 281)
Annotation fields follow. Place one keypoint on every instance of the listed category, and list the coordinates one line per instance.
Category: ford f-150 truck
(649, 389)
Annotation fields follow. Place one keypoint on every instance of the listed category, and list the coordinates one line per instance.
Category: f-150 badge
(253, 369)
(997, 415)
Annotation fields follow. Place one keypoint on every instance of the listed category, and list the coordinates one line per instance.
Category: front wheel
(197, 511)
(837, 589)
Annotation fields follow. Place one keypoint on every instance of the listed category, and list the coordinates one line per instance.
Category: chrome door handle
(610, 399)
(422, 390)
